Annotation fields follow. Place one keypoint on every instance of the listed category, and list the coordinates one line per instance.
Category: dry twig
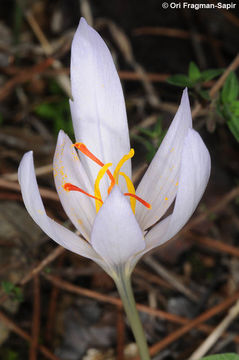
(171, 278)
(86, 11)
(48, 259)
(126, 49)
(192, 324)
(120, 333)
(24, 335)
(219, 205)
(172, 32)
(41, 170)
(64, 285)
(62, 79)
(45, 193)
(209, 242)
(24, 76)
(215, 335)
(52, 306)
(36, 319)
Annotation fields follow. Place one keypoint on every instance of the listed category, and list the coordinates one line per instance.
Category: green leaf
(8, 354)
(180, 80)
(204, 94)
(151, 138)
(147, 132)
(58, 113)
(7, 286)
(233, 125)
(193, 72)
(54, 88)
(210, 74)
(222, 357)
(14, 291)
(230, 89)
(46, 111)
(150, 149)
(47, 270)
(12, 355)
(234, 107)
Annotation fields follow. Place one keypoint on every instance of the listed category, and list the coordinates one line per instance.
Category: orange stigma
(88, 153)
(114, 179)
(145, 203)
(71, 187)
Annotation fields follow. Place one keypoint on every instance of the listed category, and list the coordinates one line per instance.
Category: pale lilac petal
(155, 237)
(67, 168)
(159, 184)
(34, 205)
(194, 175)
(98, 108)
(116, 235)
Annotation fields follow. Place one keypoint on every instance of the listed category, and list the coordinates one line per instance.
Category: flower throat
(114, 179)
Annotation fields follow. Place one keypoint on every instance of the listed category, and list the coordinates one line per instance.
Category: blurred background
(51, 303)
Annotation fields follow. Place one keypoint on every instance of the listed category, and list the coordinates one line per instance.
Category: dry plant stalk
(215, 335)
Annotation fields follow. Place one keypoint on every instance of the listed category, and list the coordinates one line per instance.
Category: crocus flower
(115, 223)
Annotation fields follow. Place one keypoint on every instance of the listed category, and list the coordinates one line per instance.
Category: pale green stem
(123, 284)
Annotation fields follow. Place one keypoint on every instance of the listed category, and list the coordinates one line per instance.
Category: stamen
(88, 153)
(71, 187)
(121, 163)
(145, 203)
(131, 190)
(100, 175)
(111, 186)
(114, 179)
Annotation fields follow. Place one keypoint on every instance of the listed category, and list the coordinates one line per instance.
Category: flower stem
(123, 284)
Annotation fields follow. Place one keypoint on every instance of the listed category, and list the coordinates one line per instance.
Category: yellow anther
(131, 190)
(121, 163)
(104, 169)
(100, 175)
